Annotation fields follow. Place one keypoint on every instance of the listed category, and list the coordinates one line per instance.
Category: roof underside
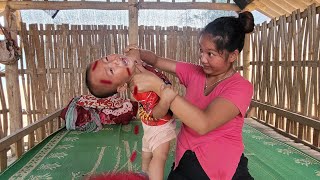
(276, 8)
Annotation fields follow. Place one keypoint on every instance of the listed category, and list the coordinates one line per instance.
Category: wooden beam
(272, 13)
(309, 2)
(284, 5)
(300, 3)
(250, 7)
(54, 5)
(197, 5)
(3, 6)
(274, 7)
(295, 5)
(11, 139)
(263, 11)
(314, 123)
(296, 140)
(261, 8)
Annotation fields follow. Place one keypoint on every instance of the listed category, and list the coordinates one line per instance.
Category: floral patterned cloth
(88, 113)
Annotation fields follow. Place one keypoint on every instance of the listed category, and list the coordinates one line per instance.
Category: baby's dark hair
(91, 88)
(228, 33)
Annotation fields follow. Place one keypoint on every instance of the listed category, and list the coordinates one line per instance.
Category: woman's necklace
(215, 83)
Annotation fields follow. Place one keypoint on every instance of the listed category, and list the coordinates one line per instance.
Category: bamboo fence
(285, 74)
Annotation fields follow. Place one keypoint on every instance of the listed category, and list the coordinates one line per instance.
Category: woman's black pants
(189, 168)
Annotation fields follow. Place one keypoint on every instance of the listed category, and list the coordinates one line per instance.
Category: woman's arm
(149, 57)
(218, 112)
(163, 106)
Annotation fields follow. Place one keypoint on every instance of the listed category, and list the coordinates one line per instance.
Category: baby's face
(110, 72)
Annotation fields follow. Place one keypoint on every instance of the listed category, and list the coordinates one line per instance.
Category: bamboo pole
(52, 5)
(26, 82)
(246, 57)
(133, 27)
(12, 83)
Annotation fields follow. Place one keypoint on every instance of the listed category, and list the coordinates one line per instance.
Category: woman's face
(214, 62)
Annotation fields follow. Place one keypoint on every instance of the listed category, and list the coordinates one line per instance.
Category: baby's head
(109, 75)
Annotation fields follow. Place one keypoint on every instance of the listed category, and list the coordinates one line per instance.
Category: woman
(209, 145)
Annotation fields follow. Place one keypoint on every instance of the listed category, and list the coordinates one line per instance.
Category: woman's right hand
(147, 56)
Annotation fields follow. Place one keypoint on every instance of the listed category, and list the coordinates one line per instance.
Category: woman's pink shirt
(218, 151)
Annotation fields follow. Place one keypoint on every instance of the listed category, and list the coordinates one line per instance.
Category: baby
(112, 74)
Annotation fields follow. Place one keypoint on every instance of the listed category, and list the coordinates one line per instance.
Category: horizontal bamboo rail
(46, 128)
(51, 5)
(301, 119)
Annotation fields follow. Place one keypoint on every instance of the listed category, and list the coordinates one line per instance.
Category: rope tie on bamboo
(10, 53)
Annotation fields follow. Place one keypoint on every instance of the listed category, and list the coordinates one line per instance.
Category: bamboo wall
(53, 69)
(285, 74)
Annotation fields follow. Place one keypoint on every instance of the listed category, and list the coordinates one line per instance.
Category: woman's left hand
(146, 81)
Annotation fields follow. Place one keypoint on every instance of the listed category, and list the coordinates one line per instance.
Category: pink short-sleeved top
(218, 151)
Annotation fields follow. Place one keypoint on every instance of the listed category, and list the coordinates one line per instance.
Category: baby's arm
(166, 97)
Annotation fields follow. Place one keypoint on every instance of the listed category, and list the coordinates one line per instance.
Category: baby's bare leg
(158, 161)
(146, 158)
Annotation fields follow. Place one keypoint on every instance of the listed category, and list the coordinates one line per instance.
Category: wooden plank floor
(269, 131)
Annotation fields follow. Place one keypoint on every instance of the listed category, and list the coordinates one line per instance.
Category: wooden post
(12, 83)
(3, 160)
(246, 57)
(133, 26)
(246, 69)
(133, 32)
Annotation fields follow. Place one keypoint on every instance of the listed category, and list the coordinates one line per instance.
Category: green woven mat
(271, 159)
(74, 154)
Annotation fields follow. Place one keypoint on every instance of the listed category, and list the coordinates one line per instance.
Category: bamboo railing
(43, 127)
(285, 74)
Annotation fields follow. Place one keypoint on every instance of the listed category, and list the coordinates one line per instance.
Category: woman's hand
(167, 93)
(146, 81)
(129, 48)
(146, 56)
(133, 52)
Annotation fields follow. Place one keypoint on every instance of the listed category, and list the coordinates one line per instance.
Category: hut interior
(43, 65)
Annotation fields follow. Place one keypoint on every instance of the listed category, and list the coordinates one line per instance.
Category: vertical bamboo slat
(25, 84)
(3, 160)
(4, 128)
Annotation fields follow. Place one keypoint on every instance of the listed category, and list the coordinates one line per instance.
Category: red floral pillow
(111, 110)
(112, 102)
